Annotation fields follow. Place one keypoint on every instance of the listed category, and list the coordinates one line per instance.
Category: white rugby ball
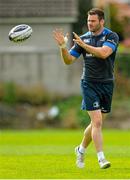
(20, 33)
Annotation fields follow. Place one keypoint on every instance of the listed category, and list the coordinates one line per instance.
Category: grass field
(49, 154)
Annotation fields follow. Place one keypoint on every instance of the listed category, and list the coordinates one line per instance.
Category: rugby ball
(20, 33)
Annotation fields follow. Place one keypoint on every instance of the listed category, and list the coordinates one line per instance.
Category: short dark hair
(97, 11)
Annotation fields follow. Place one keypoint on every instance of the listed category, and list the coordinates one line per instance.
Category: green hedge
(122, 75)
(123, 64)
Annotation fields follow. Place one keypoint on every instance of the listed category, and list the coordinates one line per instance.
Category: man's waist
(91, 79)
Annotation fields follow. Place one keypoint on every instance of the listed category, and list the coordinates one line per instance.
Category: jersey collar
(98, 35)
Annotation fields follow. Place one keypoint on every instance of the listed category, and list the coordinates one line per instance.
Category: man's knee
(97, 123)
(96, 118)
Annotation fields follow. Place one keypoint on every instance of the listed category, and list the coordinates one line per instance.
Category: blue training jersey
(94, 68)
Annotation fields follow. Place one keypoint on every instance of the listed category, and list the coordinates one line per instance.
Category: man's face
(94, 24)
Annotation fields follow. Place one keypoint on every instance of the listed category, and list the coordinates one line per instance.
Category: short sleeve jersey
(94, 68)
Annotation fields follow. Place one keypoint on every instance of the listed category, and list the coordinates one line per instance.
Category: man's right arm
(65, 55)
(62, 41)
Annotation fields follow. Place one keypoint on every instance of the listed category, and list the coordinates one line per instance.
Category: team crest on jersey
(86, 40)
(96, 104)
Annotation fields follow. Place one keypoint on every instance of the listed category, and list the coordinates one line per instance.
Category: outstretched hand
(59, 36)
(78, 40)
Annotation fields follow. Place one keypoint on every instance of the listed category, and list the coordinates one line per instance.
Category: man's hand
(60, 38)
(62, 41)
(78, 40)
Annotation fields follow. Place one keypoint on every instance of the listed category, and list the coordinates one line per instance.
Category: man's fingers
(75, 35)
(77, 38)
(67, 35)
(59, 36)
(58, 31)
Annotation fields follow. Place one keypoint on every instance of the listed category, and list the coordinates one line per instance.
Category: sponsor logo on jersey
(88, 55)
(103, 38)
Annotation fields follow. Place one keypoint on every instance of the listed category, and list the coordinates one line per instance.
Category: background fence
(32, 66)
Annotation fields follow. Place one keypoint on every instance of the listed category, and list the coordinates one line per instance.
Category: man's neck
(98, 32)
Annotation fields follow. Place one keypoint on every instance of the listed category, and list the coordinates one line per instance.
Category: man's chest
(95, 41)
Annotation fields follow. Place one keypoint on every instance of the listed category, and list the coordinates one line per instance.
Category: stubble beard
(96, 29)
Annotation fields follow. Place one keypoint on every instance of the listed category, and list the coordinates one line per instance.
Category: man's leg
(80, 150)
(88, 138)
(96, 120)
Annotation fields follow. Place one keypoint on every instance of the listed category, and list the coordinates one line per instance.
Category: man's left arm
(101, 52)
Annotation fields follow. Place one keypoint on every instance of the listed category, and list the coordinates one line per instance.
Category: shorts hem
(104, 112)
(90, 109)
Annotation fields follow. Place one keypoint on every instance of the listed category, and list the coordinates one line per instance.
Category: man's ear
(102, 21)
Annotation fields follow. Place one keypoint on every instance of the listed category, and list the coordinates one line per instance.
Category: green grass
(49, 154)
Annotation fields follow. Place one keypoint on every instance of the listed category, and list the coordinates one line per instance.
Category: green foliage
(70, 108)
(83, 118)
(116, 24)
(49, 154)
(123, 65)
(35, 95)
(9, 95)
(122, 76)
(12, 93)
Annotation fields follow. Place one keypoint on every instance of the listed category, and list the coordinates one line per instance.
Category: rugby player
(98, 46)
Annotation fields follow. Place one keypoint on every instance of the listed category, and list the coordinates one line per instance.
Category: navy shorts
(97, 95)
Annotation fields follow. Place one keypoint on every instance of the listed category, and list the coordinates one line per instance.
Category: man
(98, 47)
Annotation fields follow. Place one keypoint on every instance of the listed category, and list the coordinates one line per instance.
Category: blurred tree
(116, 24)
(81, 25)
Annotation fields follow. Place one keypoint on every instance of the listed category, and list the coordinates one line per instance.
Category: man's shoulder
(86, 35)
(111, 37)
(109, 32)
